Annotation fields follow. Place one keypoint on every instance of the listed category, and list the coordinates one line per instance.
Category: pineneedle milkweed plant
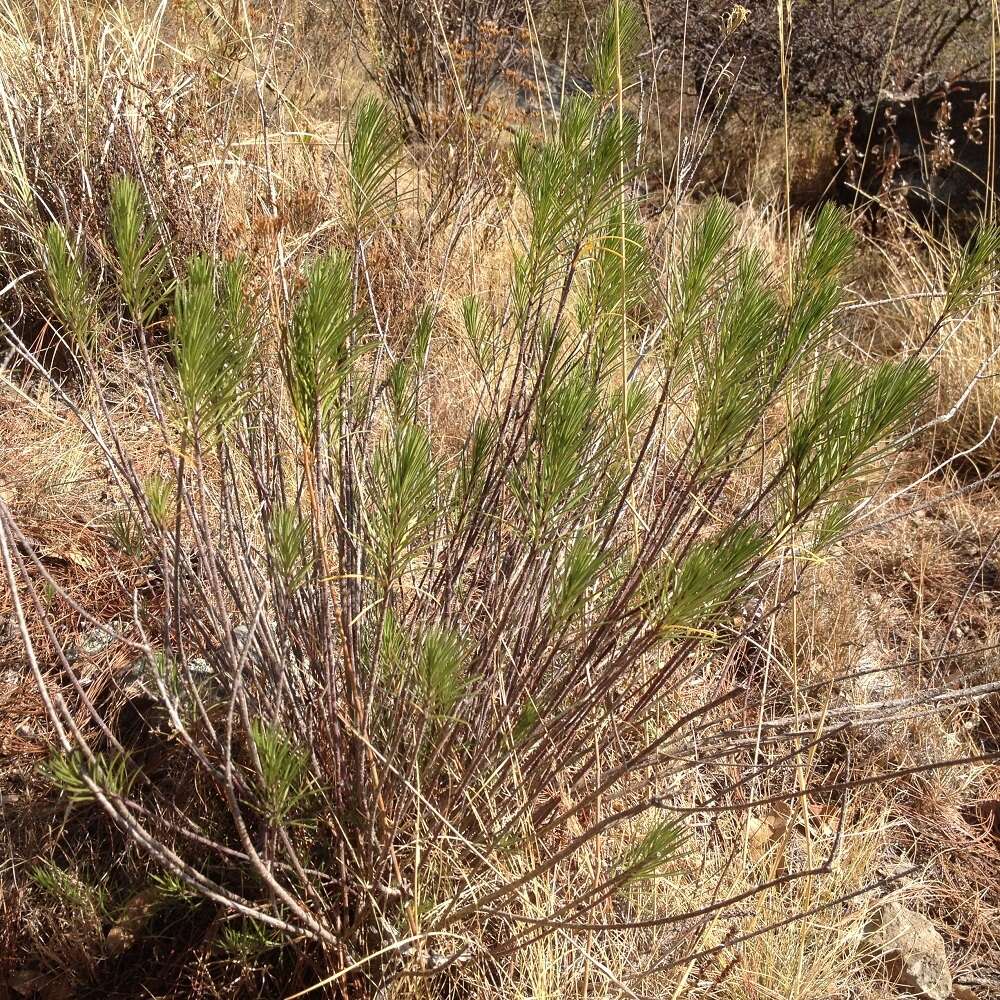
(417, 660)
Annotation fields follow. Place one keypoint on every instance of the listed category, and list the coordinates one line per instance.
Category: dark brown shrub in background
(434, 60)
(933, 156)
(436, 63)
(835, 50)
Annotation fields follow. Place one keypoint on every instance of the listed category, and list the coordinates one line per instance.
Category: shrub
(390, 676)
(829, 53)
(436, 62)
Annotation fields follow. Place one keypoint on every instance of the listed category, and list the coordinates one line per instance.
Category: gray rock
(91, 642)
(913, 952)
(200, 667)
(145, 673)
(539, 86)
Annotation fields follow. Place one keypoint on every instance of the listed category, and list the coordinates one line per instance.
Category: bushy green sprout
(440, 669)
(247, 942)
(374, 148)
(614, 55)
(239, 314)
(617, 287)
(214, 356)
(290, 546)
(832, 524)
(554, 477)
(171, 888)
(70, 289)
(142, 260)
(420, 334)
(68, 772)
(850, 413)
(734, 367)
(683, 597)
(705, 261)
(159, 493)
(817, 287)
(126, 533)
(395, 647)
(583, 564)
(479, 446)
(572, 183)
(70, 890)
(480, 330)
(978, 265)
(285, 772)
(650, 856)
(402, 391)
(320, 345)
(743, 346)
(403, 502)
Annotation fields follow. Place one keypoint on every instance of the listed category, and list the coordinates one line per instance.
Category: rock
(965, 993)
(134, 916)
(935, 152)
(540, 86)
(95, 640)
(763, 833)
(913, 952)
(200, 667)
(874, 679)
(92, 641)
(41, 985)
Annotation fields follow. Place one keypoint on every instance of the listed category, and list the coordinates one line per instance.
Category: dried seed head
(735, 19)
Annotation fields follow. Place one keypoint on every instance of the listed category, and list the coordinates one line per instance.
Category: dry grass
(899, 292)
(907, 606)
